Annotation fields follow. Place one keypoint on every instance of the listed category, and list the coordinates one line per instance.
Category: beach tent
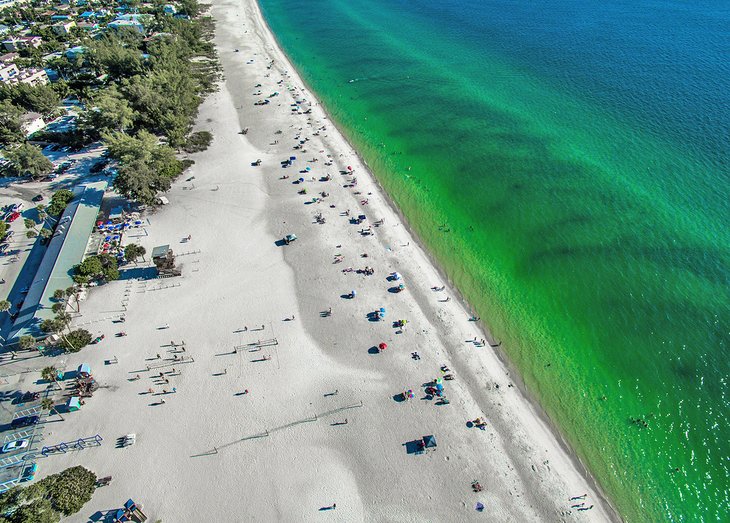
(74, 403)
(429, 442)
(84, 369)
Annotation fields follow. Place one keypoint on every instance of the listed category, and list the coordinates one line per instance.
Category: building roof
(65, 250)
(160, 251)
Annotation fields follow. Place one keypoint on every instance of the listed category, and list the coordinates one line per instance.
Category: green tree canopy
(26, 342)
(108, 112)
(102, 266)
(77, 340)
(10, 126)
(27, 159)
(42, 99)
(59, 201)
(146, 167)
(133, 251)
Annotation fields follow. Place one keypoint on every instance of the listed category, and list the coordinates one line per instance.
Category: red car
(13, 216)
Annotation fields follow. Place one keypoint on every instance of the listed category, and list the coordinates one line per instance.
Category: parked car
(16, 207)
(25, 421)
(15, 445)
(13, 216)
(29, 473)
(38, 198)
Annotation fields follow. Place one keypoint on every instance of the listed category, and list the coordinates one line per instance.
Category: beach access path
(321, 423)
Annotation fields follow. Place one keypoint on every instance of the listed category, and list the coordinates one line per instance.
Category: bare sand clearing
(284, 450)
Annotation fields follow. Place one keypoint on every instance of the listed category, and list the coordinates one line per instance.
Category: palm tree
(48, 404)
(5, 305)
(50, 374)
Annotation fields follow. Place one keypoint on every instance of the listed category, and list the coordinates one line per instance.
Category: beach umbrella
(115, 237)
(308, 169)
(301, 180)
(109, 222)
(292, 158)
(138, 222)
(99, 223)
(383, 346)
(349, 168)
(480, 506)
(108, 238)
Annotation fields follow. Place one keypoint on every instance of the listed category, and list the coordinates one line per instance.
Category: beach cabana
(84, 370)
(429, 442)
(73, 404)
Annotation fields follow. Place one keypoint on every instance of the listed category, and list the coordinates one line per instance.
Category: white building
(8, 71)
(31, 123)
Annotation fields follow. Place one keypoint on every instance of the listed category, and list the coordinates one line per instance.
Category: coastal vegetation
(47, 500)
(134, 90)
(76, 340)
(28, 160)
(134, 251)
(101, 267)
(59, 201)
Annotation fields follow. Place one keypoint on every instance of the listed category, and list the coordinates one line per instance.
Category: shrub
(77, 340)
(59, 201)
(198, 142)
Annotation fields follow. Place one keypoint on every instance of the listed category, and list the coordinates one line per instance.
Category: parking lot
(21, 426)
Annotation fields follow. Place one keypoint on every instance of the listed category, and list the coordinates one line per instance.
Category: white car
(15, 445)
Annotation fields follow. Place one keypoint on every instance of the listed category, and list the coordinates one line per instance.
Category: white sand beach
(320, 424)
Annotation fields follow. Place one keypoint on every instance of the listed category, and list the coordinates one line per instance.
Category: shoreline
(305, 411)
(513, 372)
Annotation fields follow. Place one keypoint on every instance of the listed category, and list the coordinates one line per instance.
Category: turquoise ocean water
(568, 164)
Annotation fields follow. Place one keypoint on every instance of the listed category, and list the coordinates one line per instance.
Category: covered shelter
(429, 442)
(65, 249)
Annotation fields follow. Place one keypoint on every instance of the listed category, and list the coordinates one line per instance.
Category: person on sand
(158, 356)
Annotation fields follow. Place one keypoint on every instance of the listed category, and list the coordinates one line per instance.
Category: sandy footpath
(320, 424)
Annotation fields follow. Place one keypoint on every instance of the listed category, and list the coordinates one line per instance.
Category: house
(31, 123)
(63, 28)
(74, 52)
(88, 26)
(11, 75)
(22, 42)
(60, 18)
(8, 71)
(32, 76)
(126, 24)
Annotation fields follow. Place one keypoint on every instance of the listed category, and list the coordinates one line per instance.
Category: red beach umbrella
(383, 346)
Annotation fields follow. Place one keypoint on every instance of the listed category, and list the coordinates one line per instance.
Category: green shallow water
(567, 164)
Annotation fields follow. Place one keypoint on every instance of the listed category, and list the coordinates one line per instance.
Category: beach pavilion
(65, 250)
